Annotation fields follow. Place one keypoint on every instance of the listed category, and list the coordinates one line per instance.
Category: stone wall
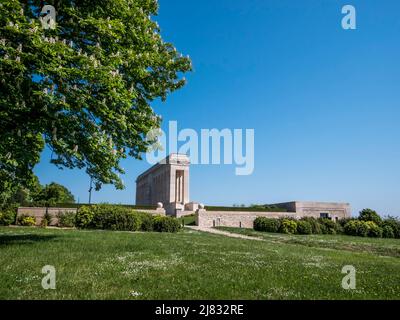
(334, 210)
(39, 212)
(296, 209)
(238, 219)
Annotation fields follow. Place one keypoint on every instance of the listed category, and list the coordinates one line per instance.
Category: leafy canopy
(84, 88)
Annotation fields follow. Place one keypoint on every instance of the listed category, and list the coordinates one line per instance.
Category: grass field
(193, 265)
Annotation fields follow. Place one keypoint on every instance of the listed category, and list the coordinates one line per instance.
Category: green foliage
(26, 220)
(166, 224)
(328, 226)
(356, 228)
(394, 224)
(288, 226)
(343, 222)
(53, 193)
(66, 219)
(374, 230)
(147, 222)
(370, 215)
(84, 88)
(266, 224)
(304, 227)
(387, 232)
(84, 217)
(115, 218)
(7, 217)
(47, 219)
(314, 223)
(109, 217)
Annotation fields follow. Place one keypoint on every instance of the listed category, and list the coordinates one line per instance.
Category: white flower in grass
(135, 293)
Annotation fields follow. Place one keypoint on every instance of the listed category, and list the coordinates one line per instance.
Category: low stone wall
(183, 213)
(39, 212)
(238, 219)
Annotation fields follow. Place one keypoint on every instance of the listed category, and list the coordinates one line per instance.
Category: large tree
(54, 193)
(84, 88)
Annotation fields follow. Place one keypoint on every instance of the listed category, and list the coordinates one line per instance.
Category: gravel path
(223, 233)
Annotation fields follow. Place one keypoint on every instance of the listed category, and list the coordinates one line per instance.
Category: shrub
(46, 220)
(7, 217)
(356, 228)
(394, 223)
(288, 226)
(304, 227)
(328, 226)
(147, 221)
(66, 219)
(370, 215)
(84, 216)
(343, 222)
(166, 224)
(25, 220)
(266, 224)
(374, 230)
(115, 218)
(314, 223)
(387, 231)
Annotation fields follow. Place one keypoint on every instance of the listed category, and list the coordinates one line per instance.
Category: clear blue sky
(324, 102)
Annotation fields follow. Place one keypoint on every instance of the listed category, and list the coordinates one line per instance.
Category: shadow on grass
(9, 239)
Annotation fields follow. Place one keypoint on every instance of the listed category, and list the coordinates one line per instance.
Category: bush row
(291, 226)
(362, 226)
(106, 217)
(109, 217)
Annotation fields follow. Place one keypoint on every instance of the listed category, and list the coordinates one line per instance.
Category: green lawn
(193, 265)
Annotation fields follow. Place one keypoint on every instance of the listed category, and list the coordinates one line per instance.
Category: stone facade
(331, 210)
(238, 219)
(296, 209)
(166, 182)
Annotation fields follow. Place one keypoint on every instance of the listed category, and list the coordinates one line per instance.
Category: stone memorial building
(166, 184)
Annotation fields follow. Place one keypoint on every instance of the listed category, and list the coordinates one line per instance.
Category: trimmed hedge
(166, 224)
(388, 228)
(266, 224)
(120, 218)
